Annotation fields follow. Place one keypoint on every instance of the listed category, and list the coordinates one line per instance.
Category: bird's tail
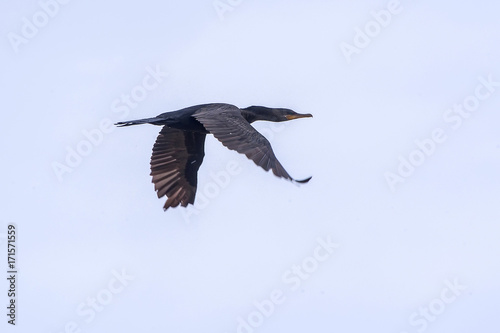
(137, 122)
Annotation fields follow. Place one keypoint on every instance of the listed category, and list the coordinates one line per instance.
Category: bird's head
(254, 113)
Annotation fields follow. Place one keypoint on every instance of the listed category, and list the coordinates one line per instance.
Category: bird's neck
(249, 116)
(254, 113)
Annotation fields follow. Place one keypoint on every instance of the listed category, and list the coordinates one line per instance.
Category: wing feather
(177, 156)
(228, 125)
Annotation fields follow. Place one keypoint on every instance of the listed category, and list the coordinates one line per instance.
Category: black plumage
(179, 149)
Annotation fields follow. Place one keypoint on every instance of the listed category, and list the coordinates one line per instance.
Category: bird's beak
(298, 115)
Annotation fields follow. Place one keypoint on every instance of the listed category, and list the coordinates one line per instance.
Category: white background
(200, 269)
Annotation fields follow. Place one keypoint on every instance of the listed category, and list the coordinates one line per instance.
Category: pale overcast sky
(396, 232)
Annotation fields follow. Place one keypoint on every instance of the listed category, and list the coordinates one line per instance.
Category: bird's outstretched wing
(228, 125)
(177, 156)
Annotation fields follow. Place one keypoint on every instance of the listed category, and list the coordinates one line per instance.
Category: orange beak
(298, 115)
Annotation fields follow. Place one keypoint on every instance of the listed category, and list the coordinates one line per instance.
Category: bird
(179, 148)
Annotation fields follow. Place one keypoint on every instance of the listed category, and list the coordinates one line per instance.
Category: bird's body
(179, 149)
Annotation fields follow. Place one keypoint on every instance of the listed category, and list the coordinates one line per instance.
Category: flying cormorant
(179, 149)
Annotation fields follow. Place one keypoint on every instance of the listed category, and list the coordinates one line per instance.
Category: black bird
(179, 149)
